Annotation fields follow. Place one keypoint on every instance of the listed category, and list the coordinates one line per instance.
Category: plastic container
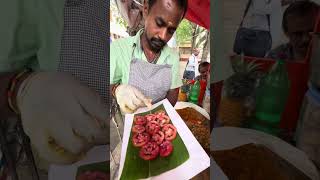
(194, 93)
(271, 99)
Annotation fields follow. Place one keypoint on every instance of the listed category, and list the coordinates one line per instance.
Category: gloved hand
(62, 117)
(130, 99)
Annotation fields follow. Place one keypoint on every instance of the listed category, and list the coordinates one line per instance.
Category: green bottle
(194, 93)
(271, 99)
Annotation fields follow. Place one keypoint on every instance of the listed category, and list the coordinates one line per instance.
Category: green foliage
(116, 15)
(184, 32)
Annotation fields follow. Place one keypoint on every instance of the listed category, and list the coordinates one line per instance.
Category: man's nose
(163, 34)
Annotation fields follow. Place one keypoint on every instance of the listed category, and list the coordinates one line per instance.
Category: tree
(116, 15)
(183, 32)
(206, 47)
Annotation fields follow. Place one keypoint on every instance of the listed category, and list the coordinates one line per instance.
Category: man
(57, 111)
(190, 70)
(298, 22)
(203, 70)
(143, 69)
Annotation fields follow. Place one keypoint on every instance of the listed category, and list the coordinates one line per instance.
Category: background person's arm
(172, 96)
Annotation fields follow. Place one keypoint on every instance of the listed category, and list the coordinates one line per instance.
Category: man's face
(196, 53)
(161, 21)
(299, 29)
(204, 72)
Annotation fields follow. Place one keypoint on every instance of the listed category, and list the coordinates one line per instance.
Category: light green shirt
(121, 55)
(30, 34)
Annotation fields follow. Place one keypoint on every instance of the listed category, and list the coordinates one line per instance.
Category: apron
(154, 81)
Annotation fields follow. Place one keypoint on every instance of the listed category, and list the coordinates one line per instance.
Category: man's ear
(145, 10)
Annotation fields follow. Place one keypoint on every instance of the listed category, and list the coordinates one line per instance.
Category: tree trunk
(194, 37)
(206, 48)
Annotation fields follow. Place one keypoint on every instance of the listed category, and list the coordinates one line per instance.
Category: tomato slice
(160, 113)
(149, 151)
(151, 117)
(138, 128)
(152, 127)
(166, 148)
(158, 137)
(140, 139)
(140, 120)
(170, 132)
(164, 119)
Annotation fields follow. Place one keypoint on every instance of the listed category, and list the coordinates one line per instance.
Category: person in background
(259, 29)
(203, 70)
(189, 72)
(298, 22)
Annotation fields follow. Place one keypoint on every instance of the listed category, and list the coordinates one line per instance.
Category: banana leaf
(137, 168)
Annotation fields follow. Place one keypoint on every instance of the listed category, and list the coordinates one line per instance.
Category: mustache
(158, 42)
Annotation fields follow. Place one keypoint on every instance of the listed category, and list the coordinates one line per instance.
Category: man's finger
(43, 143)
(129, 102)
(140, 96)
(86, 127)
(137, 101)
(94, 105)
(65, 136)
(125, 109)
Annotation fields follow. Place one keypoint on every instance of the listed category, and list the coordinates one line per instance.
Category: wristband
(12, 89)
(114, 89)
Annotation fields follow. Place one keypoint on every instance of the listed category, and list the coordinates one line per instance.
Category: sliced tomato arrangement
(166, 148)
(140, 120)
(152, 127)
(140, 139)
(138, 128)
(153, 133)
(170, 132)
(151, 117)
(149, 151)
(158, 137)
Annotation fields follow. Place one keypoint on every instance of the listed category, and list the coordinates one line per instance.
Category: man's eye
(159, 24)
(171, 31)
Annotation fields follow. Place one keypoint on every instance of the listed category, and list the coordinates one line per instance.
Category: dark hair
(203, 64)
(299, 8)
(182, 3)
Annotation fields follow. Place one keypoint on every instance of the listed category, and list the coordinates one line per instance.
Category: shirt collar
(165, 52)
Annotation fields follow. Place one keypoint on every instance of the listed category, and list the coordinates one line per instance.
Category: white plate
(68, 172)
(229, 137)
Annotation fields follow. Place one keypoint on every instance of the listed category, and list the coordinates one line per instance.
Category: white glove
(62, 117)
(130, 99)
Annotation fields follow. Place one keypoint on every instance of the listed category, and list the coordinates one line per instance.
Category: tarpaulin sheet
(199, 12)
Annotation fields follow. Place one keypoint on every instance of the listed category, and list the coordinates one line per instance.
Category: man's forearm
(172, 96)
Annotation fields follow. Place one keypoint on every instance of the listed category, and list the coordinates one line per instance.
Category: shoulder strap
(245, 12)
(268, 17)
